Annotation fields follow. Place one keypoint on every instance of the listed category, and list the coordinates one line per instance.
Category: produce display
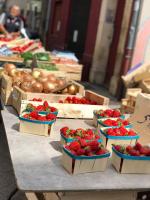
(42, 56)
(78, 100)
(107, 113)
(113, 122)
(38, 81)
(27, 56)
(5, 51)
(41, 108)
(48, 67)
(34, 115)
(71, 134)
(83, 148)
(120, 131)
(136, 150)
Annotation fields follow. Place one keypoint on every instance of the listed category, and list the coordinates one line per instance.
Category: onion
(9, 66)
(48, 87)
(72, 89)
(37, 87)
(52, 78)
(26, 86)
(36, 74)
(27, 77)
(61, 82)
(12, 72)
(42, 79)
(65, 91)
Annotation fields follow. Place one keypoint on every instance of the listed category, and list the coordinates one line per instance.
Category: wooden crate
(19, 95)
(107, 140)
(35, 127)
(145, 85)
(83, 165)
(6, 89)
(71, 110)
(126, 164)
(126, 106)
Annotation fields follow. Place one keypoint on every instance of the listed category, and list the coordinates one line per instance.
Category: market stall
(37, 167)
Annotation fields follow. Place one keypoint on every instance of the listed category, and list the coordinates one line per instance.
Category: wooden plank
(31, 196)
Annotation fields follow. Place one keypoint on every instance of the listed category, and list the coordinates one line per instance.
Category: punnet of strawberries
(45, 107)
(87, 134)
(84, 148)
(136, 150)
(34, 115)
(120, 131)
(108, 113)
(117, 122)
(78, 100)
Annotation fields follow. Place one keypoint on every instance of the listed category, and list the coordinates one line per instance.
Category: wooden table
(37, 167)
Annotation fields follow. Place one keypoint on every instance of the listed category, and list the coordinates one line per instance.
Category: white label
(58, 25)
(75, 36)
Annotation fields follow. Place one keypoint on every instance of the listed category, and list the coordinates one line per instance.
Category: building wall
(103, 41)
(142, 44)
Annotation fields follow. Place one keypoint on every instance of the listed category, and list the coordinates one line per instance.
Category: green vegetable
(27, 56)
(49, 67)
(42, 56)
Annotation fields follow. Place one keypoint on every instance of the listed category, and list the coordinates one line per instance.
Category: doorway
(78, 24)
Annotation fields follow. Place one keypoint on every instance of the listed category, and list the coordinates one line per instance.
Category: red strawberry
(53, 109)
(116, 113)
(83, 142)
(138, 146)
(45, 104)
(64, 129)
(144, 150)
(75, 146)
(26, 116)
(51, 117)
(34, 115)
(131, 133)
(129, 148)
(41, 118)
(101, 152)
(80, 152)
(40, 108)
(94, 145)
(134, 152)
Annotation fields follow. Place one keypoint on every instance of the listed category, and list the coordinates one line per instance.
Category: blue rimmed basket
(84, 164)
(100, 122)
(130, 164)
(36, 127)
(65, 140)
(108, 140)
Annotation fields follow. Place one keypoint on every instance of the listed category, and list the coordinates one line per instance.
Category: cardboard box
(66, 110)
(18, 95)
(126, 164)
(145, 85)
(83, 164)
(108, 140)
(6, 89)
(35, 127)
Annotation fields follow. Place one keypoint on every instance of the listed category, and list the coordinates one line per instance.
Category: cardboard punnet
(36, 127)
(83, 164)
(108, 140)
(141, 117)
(128, 164)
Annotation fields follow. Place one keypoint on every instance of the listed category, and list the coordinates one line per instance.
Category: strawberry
(50, 116)
(134, 152)
(80, 152)
(138, 146)
(129, 148)
(26, 116)
(53, 109)
(40, 108)
(116, 113)
(75, 146)
(83, 142)
(101, 152)
(144, 150)
(34, 115)
(45, 104)
(64, 129)
(94, 145)
(119, 148)
(42, 118)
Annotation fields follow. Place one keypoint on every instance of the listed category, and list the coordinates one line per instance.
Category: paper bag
(141, 118)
